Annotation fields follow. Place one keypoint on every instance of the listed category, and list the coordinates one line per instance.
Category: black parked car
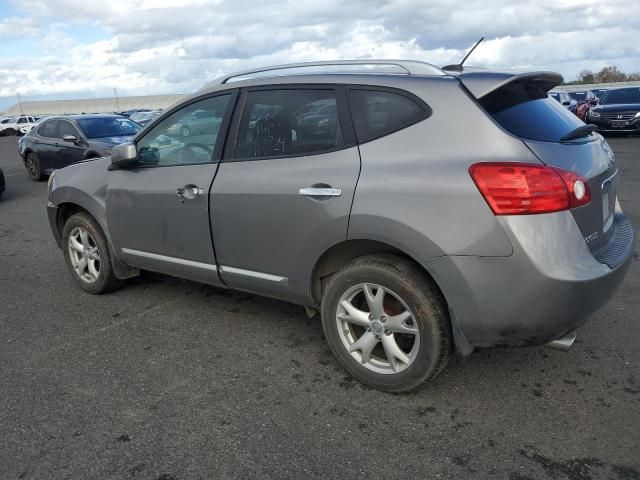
(61, 141)
(617, 111)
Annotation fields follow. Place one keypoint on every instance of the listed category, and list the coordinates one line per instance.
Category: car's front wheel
(87, 255)
(386, 323)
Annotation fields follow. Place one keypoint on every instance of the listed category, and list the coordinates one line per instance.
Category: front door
(68, 152)
(283, 193)
(158, 212)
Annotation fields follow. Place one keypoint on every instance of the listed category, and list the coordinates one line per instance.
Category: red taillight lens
(525, 188)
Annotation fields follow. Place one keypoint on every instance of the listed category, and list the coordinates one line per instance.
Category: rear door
(283, 193)
(158, 212)
(46, 143)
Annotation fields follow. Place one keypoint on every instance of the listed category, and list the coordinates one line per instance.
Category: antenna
(458, 66)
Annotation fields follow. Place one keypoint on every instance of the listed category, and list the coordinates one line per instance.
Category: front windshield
(623, 95)
(101, 127)
(9, 120)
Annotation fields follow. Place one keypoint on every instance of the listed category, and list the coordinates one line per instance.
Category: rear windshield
(525, 110)
(580, 96)
(623, 95)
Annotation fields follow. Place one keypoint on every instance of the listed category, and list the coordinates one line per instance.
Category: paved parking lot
(168, 379)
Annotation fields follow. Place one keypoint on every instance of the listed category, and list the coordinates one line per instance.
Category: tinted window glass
(187, 136)
(624, 95)
(67, 129)
(288, 122)
(49, 129)
(377, 113)
(22, 120)
(102, 127)
(556, 96)
(526, 110)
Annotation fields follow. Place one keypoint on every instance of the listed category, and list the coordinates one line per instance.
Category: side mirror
(124, 156)
(70, 138)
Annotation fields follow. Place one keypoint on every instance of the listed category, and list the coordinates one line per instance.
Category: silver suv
(422, 212)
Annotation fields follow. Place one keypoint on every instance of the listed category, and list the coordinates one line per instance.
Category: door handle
(320, 192)
(188, 192)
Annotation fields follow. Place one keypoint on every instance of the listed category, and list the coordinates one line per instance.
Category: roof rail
(407, 67)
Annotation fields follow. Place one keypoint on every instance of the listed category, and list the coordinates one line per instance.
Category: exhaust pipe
(563, 343)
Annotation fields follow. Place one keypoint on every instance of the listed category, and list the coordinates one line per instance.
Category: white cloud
(162, 46)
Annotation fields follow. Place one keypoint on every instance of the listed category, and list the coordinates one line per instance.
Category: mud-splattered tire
(386, 323)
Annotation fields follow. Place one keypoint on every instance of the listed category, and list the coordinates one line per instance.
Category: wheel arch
(344, 252)
(68, 209)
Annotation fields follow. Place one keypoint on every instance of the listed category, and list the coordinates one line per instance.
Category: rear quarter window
(528, 112)
(377, 113)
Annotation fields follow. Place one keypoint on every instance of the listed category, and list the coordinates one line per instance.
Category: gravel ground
(169, 379)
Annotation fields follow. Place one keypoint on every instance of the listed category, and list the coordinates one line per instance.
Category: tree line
(608, 74)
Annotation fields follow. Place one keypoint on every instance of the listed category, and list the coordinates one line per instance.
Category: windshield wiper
(583, 131)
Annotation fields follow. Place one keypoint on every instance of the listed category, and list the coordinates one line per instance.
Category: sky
(57, 49)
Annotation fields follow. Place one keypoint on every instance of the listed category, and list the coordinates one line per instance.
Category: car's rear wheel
(9, 132)
(386, 323)
(34, 169)
(87, 255)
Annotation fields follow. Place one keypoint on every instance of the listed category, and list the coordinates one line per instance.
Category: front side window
(293, 122)
(103, 127)
(67, 129)
(378, 113)
(187, 136)
(49, 129)
(22, 120)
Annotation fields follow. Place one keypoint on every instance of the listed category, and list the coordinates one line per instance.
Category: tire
(9, 132)
(94, 251)
(185, 131)
(408, 294)
(33, 166)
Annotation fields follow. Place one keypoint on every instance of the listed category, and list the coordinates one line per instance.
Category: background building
(92, 105)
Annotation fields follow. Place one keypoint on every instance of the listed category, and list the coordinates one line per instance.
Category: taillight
(525, 188)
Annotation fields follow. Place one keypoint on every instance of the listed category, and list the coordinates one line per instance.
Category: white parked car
(14, 124)
(26, 128)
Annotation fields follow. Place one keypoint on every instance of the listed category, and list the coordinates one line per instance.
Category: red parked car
(586, 99)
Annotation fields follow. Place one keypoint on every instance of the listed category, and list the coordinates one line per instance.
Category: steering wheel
(190, 157)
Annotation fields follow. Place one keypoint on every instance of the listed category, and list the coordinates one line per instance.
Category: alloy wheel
(32, 167)
(377, 328)
(84, 255)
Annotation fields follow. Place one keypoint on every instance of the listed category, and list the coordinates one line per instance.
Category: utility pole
(20, 103)
(115, 92)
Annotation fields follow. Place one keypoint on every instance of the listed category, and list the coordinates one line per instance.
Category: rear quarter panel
(415, 191)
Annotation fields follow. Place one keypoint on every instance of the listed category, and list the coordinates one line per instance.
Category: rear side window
(525, 110)
(49, 129)
(293, 122)
(378, 113)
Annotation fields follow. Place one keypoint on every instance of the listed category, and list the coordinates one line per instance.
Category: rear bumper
(548, 287)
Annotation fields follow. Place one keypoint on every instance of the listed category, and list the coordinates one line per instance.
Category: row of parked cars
(611, 110)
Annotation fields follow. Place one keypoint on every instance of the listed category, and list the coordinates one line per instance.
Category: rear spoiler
(481, 83)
